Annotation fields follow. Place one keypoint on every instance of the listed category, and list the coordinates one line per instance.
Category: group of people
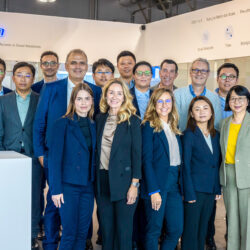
(156, 159)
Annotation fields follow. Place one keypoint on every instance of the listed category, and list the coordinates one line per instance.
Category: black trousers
(116, 218)
(196, 217)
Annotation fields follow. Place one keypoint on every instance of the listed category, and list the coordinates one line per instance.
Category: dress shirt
(184, 96)
(70, 87)
(22, 106)
(107, 140)
(174, 151)
(225, 114)
(142, 100)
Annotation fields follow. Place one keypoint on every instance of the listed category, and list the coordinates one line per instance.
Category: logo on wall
(2, 32)
(229, 32)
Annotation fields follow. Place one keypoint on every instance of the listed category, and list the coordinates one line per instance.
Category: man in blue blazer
(3, 90)
(49, 63)
(52, 105)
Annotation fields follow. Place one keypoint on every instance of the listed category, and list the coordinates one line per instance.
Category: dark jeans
(196, 217)
(76, 215)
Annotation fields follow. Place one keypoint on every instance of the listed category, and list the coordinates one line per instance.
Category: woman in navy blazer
(161, 158)
(200, 175)
(71, 164)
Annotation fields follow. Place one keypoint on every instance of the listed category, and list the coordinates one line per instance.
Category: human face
(231, 79)
(83, 103)
(49, 65)
(199, 73)
(164, 105)
(168, 75)
(23, 79)
(2, 73)
(115, 96)
(102, 75)
(125, 66)
(238, 104)
(77, 67)
(201, 112)
(142, 77)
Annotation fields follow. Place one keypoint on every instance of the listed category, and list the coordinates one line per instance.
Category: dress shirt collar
(192, 91)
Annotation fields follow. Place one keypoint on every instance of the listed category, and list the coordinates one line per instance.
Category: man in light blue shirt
(227, 77)
(126, 61)
(199, 73)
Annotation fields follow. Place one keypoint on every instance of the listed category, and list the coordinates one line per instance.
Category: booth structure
(15, 200)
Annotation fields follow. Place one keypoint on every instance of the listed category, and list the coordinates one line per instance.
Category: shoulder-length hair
(71, 108)
(152, 116)
(191, 123)
(127, 109)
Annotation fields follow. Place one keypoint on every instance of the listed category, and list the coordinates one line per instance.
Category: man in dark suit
(16, 129)
(3, 90)
(142, 75)
(52, 105)
(49, 63)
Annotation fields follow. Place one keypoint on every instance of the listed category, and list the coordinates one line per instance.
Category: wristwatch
(136, 184)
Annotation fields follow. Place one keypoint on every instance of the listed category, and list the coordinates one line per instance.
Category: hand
(41, 158)
(156, 201)
(58, 199)
(192, 201)
(132, 195)
(217, 197)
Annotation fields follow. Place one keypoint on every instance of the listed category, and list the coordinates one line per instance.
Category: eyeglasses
(47, 64)
(225, 77)
(145, 73)
(239, 99)
(27, 76)
(161, 102)
(201, 71)
(102, 72)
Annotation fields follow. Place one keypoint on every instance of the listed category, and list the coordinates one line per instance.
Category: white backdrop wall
(217, 32)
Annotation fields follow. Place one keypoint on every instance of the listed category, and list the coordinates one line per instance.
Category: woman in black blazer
(200, 175)
(71, 163)
(118, 165)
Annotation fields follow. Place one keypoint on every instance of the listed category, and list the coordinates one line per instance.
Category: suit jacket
(37, 87)
(200, 166)
(6, 90)
(155, 160)
(69, 158)
(125, 155)
(53, 105)
(135, 103)
(12, 133)
(242, 154)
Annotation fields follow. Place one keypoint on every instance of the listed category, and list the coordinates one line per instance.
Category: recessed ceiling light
(47, 1)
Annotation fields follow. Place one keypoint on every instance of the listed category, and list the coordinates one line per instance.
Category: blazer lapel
(204, 143)
(100, 128)
(31, 108)
(226, 132)
(14, 110)
(179, 144)
(117, 137)
(93, 134)
(164, 141)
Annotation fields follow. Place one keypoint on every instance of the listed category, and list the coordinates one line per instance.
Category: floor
(220, 226)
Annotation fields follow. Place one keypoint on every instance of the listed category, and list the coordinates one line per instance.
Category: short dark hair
(49, 53)
(170, 61)
(191, 123)
(24, 64)
(142, 63)
(103, 62)
(240, 91)
(126, 53)
(3, 63)
(228, 65)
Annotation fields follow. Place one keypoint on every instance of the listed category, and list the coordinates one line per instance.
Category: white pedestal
(15, 201)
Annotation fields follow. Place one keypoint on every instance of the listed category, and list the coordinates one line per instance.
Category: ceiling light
(47, 1)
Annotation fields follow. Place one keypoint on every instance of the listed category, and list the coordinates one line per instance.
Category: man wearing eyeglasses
(17, 111)
(227, 77)
(199, 73)
(3, 90)
(49, 64)
(103, 71)
(168, 73)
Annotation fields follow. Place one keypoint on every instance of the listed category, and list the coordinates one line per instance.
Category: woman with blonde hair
(161, 161)
(118, 165)
(71, 167)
